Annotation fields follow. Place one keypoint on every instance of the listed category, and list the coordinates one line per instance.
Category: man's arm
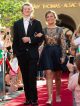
(39, 32)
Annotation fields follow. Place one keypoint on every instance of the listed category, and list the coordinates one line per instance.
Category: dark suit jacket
(19, 48)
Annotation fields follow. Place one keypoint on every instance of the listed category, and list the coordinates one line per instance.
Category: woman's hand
(70, 67)
(62, 60)
(38, 35)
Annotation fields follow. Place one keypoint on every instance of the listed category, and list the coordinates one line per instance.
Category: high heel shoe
(49, 101)
(58, 99)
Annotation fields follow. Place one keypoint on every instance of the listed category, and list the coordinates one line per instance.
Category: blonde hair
(28, 4)
(78, 29)
(53, 12)
(78, 66)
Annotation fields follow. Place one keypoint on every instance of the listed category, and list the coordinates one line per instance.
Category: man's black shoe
(27, 103)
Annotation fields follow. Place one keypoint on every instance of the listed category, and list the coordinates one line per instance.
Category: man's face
(27, 10)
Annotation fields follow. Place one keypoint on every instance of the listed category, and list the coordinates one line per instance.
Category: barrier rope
(1, 61)
(8, 63)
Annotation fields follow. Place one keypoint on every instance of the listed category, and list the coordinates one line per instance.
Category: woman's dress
(52, 51)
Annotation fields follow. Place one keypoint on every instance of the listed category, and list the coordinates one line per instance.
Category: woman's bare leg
(58, 84)
(49, 83)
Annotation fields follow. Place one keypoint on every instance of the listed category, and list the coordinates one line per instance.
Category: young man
(25, 46)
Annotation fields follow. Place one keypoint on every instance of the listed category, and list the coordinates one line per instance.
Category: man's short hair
(27, 4)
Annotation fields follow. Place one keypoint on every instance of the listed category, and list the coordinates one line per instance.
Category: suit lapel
(22, 27)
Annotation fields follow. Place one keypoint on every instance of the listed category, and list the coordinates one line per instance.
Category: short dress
(52, 52)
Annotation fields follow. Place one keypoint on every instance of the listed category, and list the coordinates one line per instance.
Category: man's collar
(26, 18)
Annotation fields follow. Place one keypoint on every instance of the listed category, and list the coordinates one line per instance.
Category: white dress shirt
(26, 23)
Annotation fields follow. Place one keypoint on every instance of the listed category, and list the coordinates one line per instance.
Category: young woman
(53, 54)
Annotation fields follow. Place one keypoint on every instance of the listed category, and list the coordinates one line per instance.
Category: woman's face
(50, 19)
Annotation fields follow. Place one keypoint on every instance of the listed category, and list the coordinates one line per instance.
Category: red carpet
(42, 94)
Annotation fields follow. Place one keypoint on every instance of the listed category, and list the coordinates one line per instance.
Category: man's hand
(26, 39)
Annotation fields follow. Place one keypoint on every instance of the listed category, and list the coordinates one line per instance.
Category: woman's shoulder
(45, 29)
(59, 29)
